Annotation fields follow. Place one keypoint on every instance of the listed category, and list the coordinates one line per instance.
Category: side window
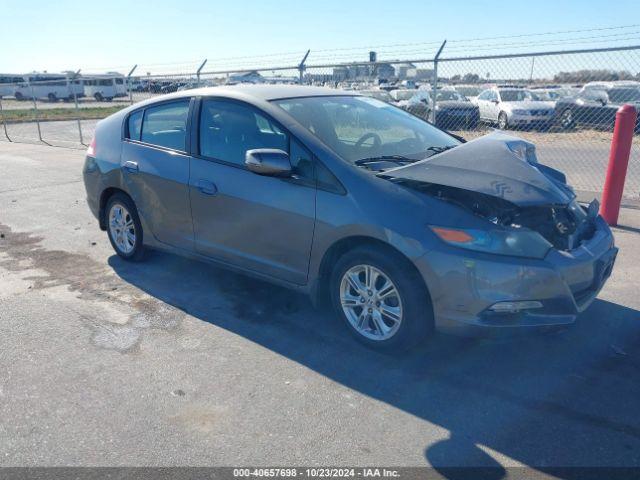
(493, 95)
(229, 129)
(166, 125)
(327, 180)
(133, 125)
(301, 160)
(484, 95)
(595, 95)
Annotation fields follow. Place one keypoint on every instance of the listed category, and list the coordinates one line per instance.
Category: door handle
(131, 167)
(207, 187)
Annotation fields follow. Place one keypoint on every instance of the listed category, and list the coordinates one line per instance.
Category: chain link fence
(563, 101)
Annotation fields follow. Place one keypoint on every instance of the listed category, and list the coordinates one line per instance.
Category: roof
(265, 92)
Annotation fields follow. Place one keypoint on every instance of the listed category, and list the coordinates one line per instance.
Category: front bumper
(464, 284)
(522, 120)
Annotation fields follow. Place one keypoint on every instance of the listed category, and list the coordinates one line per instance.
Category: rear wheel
(52, 97)
(124, 227)
(503, 122)
(381, 298)
(19, 96)
(98, 96)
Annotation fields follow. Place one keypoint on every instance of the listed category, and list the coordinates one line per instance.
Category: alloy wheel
(122, 228)
(567, 119)
(371, 302)
(502, 121)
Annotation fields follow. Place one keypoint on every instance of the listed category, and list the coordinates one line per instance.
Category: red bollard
(618, 162)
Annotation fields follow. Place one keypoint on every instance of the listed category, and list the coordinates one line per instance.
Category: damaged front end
(497, 178)
(564, 227)
(533, 256)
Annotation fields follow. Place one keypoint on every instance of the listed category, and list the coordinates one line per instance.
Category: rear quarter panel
(102, 170)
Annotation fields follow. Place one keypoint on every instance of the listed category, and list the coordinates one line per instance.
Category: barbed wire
(387, 52)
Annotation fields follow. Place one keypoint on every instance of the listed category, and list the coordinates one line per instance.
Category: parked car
(402, 94)
(418, 104)
(378, 94)
(514, 107)
(455, 112)
(171, 87)
(401, 226)
(187, 86)
(471, 92)
(596, 106)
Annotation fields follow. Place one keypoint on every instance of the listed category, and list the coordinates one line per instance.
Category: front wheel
(124, 227)
(503, 122)
(381, 298)
(567, 122)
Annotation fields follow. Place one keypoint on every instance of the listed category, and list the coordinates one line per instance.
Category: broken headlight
(514, 242)
(525, 151)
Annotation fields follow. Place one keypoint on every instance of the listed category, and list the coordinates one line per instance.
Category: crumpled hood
(487, 165)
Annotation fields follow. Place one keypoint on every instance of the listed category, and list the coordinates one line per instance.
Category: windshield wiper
(384, 158)
(437, 149)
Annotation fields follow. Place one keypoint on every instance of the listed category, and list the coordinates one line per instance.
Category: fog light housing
(514, 307)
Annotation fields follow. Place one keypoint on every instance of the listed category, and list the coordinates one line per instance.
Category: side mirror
(268, 161)
(495, 100)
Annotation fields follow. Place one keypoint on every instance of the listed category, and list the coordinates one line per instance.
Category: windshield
(469, 91)
(515, 95)
(621, 95)
(361, 127)
(450, 95)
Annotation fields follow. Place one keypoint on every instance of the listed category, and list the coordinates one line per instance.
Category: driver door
(259, 223)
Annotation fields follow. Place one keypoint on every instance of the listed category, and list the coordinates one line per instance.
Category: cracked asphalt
(174, 362)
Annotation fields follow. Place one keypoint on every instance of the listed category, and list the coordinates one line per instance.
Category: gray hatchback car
(401, 226)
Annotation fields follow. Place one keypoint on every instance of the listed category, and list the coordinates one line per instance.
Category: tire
(98, 96)
(411, 302)
(52, 97)
(503, 122)
(117, 231)
(19, 97)
(567, 120)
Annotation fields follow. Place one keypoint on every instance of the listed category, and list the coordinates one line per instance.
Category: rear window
(166, 125)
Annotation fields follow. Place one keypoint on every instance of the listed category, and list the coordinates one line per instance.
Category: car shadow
(567, 398)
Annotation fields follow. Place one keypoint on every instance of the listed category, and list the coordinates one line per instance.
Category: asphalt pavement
(174, 362)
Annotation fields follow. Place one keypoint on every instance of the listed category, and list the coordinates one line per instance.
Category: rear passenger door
(155, 168)
(255, 222)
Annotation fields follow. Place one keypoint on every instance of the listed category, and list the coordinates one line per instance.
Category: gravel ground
(173, 362)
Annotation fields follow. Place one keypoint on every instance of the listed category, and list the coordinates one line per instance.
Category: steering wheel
(377, 141)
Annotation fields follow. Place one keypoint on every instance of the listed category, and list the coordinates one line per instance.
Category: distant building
(364, 72)
(405, 70)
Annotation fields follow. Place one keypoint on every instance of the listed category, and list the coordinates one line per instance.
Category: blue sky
(97, 35)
